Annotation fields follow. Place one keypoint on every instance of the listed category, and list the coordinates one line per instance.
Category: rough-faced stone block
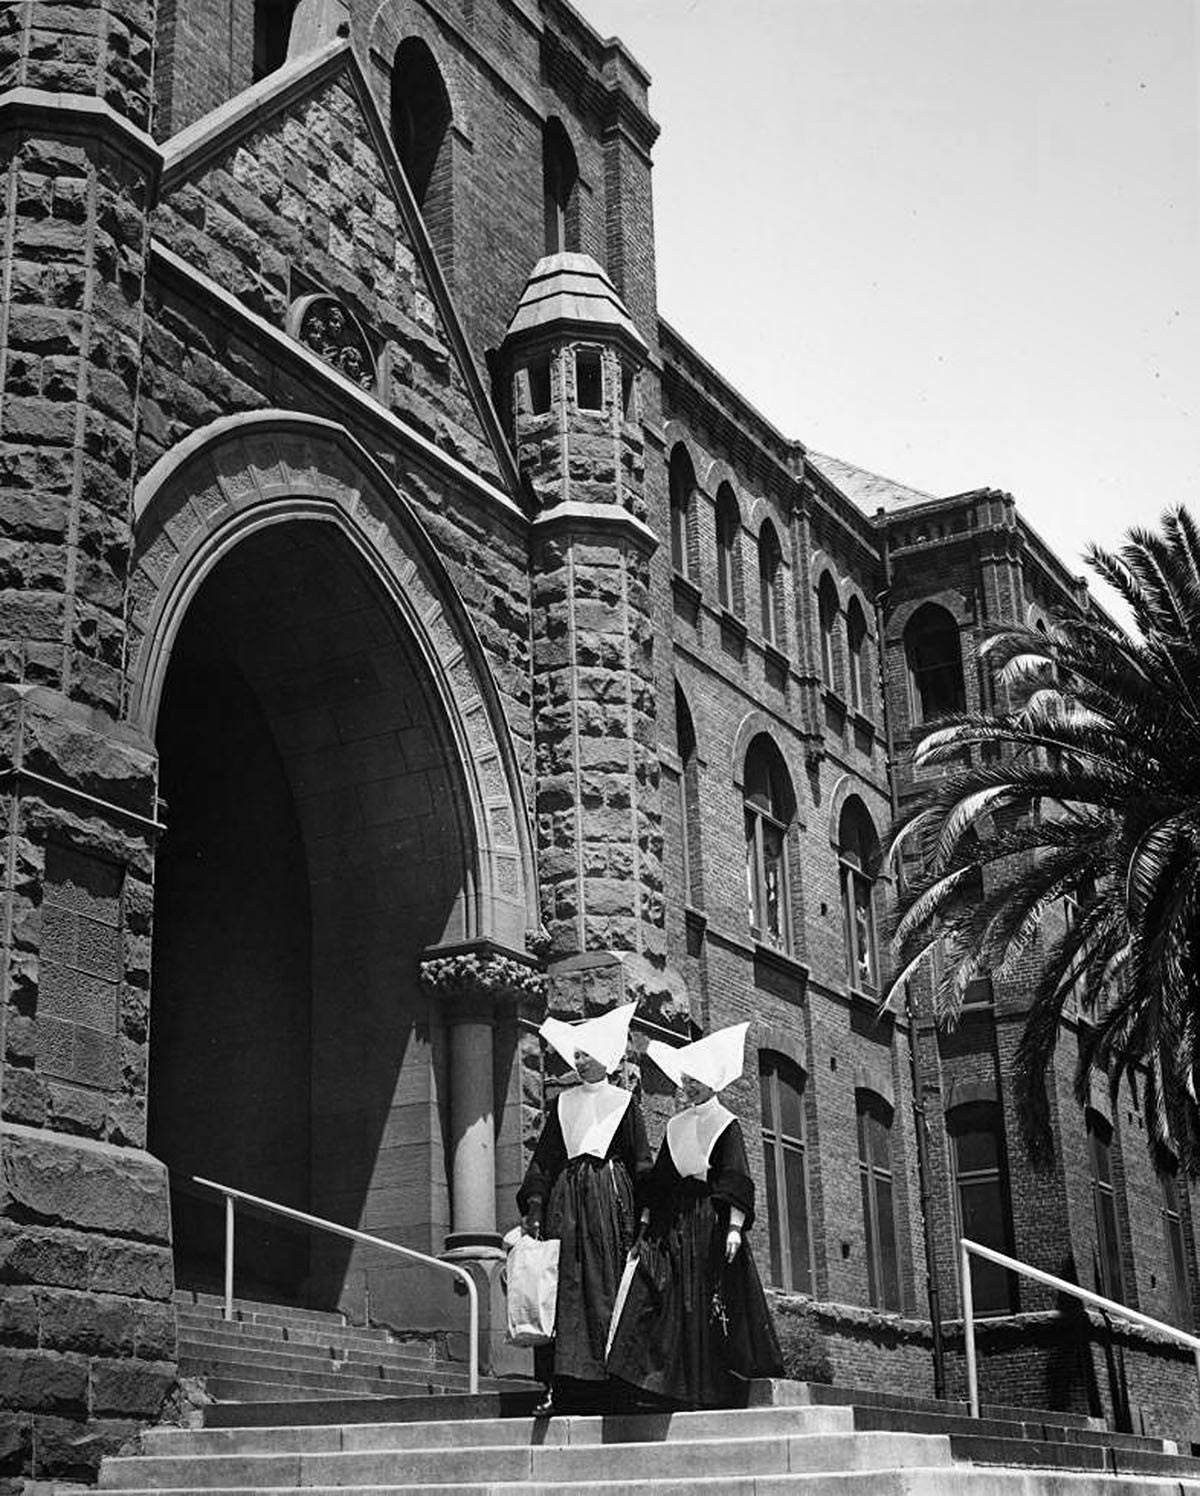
(33, 1254)
(43, 1380)
(134, 1389)
(89, 1323)
(89, 1185)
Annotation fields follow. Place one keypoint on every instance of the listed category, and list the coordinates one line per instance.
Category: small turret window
(589, 379)
(539, 386)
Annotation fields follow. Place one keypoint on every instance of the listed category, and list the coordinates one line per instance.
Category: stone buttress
(87, 1338)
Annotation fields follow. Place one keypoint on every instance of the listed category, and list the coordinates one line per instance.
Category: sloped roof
(572, 289)
(870, 491)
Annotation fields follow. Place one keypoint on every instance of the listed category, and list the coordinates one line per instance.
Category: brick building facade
(404, 631)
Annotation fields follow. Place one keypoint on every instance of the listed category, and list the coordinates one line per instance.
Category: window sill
(695, 917)
(732, 624)
(776, 659)
(685, 589)
(834, 700)
(783, 961)
(863, 724)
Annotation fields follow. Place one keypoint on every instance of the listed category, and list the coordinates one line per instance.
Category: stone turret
(575, 359)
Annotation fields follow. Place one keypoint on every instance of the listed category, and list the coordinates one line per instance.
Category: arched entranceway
(315, 848)
(340, 798)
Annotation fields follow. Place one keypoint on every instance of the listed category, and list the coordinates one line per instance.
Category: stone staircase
(273, 1353)
(793, 1437)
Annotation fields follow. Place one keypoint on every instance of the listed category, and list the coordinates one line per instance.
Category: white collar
(692, 1134)
(589, 1114)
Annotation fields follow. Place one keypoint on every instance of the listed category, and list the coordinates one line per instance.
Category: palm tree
(1086, 789)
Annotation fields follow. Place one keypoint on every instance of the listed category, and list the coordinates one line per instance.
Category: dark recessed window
(1104, 1202)
(858, 859)
(786, 1166)
(981, 1198)
(769, 808)
(539, 386)
(879, 1211)
(589, 379)
(272, 28)
(934, 655)
(560, 183)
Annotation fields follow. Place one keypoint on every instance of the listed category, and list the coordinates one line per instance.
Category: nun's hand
(733, 1243)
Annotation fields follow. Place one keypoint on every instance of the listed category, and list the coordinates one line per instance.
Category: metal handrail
(1108, 1306)
(273, 1207)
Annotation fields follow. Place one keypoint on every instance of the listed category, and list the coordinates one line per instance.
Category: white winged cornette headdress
(716, 1060)
(604, 1038)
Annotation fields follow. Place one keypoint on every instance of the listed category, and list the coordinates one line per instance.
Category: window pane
(975, 1150)
(1110, 1248)
(773, 889)
(797, 1207)
(1177, 1260)
(772, 1211)
(752, 900)
(888, 1267)
(1101, 1158)
(981, 1211)
(791, 1108)
(869, 1232)
(766, 1079)
(678, 537)
(864, 932)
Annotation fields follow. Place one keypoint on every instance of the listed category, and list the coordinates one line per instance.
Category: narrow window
(560, 182)
(827, 618)
(681, 480)
(272, 30)
(539, 386)
(1177, 1273)
(981, 1198)
(769, 808)
(1104, 1203)
(858, 861)
(628, 391)
(934, 656)
(689, 800)
(786, 1168)
(421, 131)
(728, 533)
(589, 379)
(770, 559)
(856, 648)
(879, 1216)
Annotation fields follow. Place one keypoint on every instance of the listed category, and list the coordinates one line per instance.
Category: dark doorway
(315, 846)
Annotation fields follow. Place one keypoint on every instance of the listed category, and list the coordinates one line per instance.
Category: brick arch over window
(240, 476)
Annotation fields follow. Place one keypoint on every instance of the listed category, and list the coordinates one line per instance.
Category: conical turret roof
(572, 291)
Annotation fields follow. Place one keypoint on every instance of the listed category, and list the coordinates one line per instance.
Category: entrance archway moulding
(245, 472)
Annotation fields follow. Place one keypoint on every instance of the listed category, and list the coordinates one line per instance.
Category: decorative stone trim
(322, 323)
(480, 972)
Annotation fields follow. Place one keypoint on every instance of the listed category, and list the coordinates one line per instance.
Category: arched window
(1104, 1203)
(681, 481)
(729, 528)
(786, 1166)
(856, 650)
(560, 183)
(272, 28)
(858, 861)
(935, 670)
(1178, 1278)
(689, 801)
(421, 131)
(827, 617)
(981, 1198)
(770, 564)
(879, 1212)
(769, 808)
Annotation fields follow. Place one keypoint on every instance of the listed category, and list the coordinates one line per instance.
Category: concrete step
(577, 1430)
(1038, 1430)
(938, 1480)
(687, 1459)
(319, 1358)
(307, 1334)
(769, 1391)
(338, 1383)
(292, 1313)
(499, 1399)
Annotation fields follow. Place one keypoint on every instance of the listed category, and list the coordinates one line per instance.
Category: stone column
(477, 987)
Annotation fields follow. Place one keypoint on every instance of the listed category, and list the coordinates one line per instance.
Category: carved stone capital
(481, 977)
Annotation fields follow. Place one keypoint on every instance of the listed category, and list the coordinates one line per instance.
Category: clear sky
(953, 241)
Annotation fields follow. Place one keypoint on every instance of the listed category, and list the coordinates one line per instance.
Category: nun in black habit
(695, 1318)
(580, 1188)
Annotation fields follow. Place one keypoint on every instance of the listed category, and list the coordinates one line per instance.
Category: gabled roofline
(191, 149)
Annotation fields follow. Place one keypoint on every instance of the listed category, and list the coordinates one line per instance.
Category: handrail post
(473, 1358)
(229, 1256)
(968, 1309)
